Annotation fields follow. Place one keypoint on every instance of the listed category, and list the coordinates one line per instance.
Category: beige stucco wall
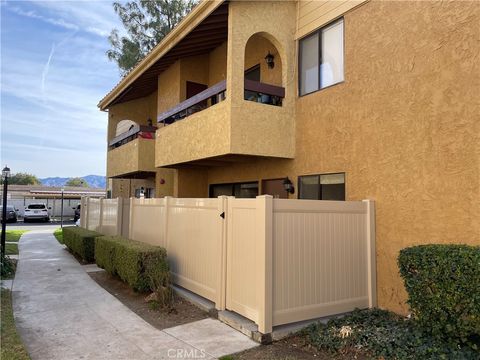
(217, 70)
(236, 126)
(138, 110)
(191, 183)
(195, 69)
(203, 134)
(136, 155)
(169, 88)
(311, 14)
(258, 129)
(404, 126)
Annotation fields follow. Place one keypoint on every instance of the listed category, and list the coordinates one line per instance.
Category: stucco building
(341, 100)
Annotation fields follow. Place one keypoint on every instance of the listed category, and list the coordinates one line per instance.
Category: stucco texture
(203, 134)
(134, 156)
(139, 110)
(404, 126)
(259, 129)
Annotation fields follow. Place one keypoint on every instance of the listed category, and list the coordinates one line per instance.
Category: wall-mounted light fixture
(288, 186)
(269, 59)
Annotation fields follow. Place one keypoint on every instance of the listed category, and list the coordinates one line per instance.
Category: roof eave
(197, 15)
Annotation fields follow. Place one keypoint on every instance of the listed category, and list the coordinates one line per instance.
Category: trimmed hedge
(80, 241)
(144, 267)
(443, 285)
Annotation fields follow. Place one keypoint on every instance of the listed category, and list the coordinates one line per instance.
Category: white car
(36, 212)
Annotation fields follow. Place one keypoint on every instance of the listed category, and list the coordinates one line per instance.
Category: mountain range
(93, 181)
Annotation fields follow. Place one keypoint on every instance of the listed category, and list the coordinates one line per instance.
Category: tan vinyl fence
(191, 231)
(274, 261)
(107, 216)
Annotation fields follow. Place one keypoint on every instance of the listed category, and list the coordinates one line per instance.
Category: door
(192, 90)
(275, 188)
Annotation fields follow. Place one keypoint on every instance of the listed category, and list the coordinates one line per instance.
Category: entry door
(275, 188)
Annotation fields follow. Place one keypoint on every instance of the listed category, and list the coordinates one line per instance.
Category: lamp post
(61, 211)
(5, 175)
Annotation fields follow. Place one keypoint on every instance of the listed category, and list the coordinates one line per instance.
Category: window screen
(309, 64)
(324, 47)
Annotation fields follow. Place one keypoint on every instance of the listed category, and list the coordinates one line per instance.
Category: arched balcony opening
(263, 79)
(128, 130)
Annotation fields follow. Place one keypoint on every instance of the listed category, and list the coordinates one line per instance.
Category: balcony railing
(254, 91)
(143, 131)
(263, 93)
(199, 102)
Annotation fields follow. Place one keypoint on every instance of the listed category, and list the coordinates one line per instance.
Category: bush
(381, 334)
(144, 267)
(58, 233)
(81, 242)
(443, 285)
(7, 267)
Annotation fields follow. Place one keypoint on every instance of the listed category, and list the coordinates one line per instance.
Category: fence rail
(274, 261)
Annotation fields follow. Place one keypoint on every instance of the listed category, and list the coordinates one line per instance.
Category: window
(147, 193)
(322, 187)
(239, 190)
(321, 58)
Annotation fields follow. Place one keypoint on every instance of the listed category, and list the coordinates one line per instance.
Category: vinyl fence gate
(273, 261)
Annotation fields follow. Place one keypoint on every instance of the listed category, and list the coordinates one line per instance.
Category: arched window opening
(263, 71)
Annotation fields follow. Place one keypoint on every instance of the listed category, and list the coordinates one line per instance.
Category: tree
(76, 182)
(146, 22)
(23, 179)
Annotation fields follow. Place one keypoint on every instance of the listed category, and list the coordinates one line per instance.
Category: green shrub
(443, 285)
(80, 241)
(58, 233)
(105, 253)
(7, 267)
(380, 334)
(144, 267)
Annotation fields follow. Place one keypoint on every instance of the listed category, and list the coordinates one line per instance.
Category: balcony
(206, 130)
(132, 154)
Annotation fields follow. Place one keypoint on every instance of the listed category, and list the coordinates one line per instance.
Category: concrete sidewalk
(61, 313)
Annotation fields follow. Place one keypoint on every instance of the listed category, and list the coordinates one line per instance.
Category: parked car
(11, 213)
(36, 212)
(77, 212)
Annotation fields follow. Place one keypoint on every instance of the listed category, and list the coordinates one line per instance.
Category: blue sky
(53, 73)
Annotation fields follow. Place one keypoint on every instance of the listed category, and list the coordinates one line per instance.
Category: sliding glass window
(321, 58)
(322, 187)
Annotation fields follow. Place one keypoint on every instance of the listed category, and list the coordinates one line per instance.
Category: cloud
(46, 68)
(95, 17)
(52, 78)
(32, 14)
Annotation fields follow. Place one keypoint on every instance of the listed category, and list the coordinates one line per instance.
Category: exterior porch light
(288, 186)
(269, 59)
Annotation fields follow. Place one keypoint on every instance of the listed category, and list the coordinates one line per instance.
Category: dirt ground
(292, 348)
(287, 349)
(183, 312)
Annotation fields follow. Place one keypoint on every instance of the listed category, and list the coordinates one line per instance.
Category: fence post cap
(264, 196)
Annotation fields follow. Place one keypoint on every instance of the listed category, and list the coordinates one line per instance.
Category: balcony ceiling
(209, 34)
